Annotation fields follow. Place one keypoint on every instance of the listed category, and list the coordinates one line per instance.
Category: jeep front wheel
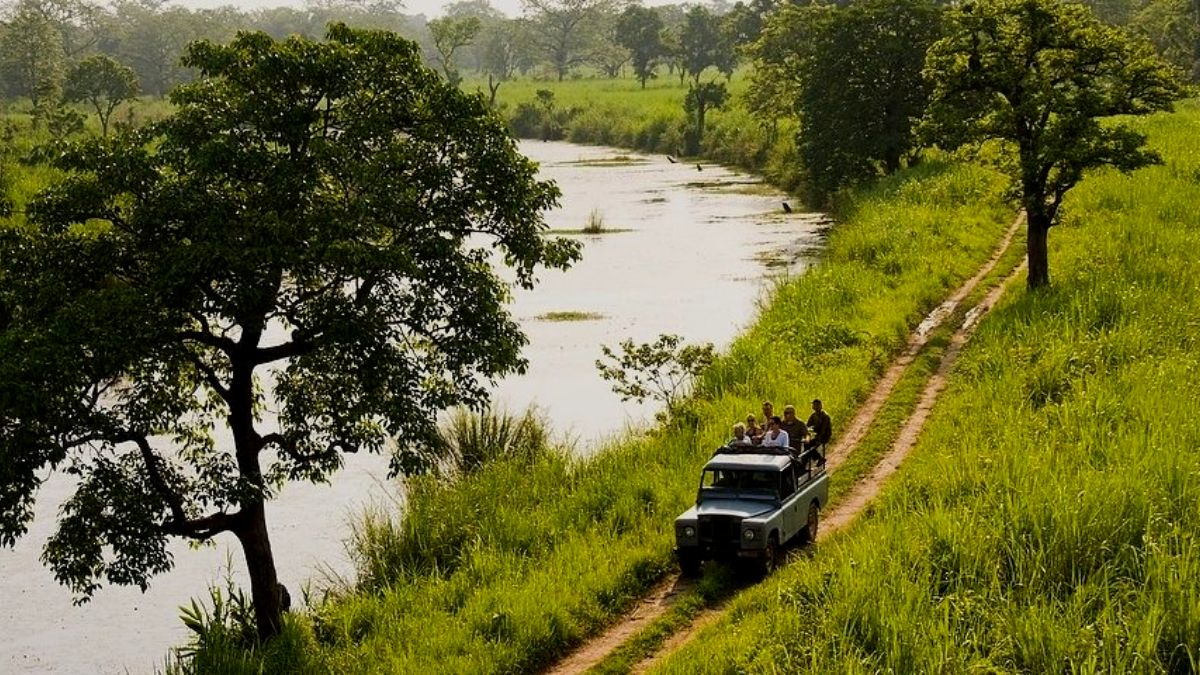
(689, 564)
(771, 557)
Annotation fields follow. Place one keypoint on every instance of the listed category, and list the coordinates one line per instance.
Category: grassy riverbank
(621, 113)
(1048, 520)
(506, 569)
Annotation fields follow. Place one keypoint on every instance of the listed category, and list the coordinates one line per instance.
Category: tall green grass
(509, 566)
(1049, 519)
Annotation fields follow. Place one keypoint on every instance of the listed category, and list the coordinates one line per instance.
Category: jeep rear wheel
(809, 533)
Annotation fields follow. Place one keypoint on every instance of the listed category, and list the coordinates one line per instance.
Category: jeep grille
(720, 529)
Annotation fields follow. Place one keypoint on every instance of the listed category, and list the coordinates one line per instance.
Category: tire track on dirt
(857, 430)
(662, 597)
(864, 491)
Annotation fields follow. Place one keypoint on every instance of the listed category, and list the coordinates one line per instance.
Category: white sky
(430, 8)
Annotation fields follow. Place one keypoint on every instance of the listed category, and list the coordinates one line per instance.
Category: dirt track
(662, 597)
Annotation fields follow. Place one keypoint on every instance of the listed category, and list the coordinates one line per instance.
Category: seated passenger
(768, 411)
(794, 427)
(821, 425)
(753, 431)
(775, 436)
(740, 439)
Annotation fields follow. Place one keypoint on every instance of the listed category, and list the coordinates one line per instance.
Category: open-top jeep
(752, 502)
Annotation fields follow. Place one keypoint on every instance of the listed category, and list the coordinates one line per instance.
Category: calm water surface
(696, 258)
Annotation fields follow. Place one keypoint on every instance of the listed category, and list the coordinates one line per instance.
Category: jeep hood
(742, 508)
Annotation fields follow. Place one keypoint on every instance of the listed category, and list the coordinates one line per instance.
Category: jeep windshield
(740, 483)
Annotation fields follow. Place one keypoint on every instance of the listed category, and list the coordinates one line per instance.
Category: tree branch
(203, 529)
(288, 448)
(174, 501)
(198, 529)
(210, 375)
(208, 339)
(286, 350)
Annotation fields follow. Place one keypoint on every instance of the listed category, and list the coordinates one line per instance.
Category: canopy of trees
(286, 241)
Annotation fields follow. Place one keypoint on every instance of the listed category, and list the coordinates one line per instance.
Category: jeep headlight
(689, 531)
(749, 535)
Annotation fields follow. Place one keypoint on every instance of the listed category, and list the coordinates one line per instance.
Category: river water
(696, 254)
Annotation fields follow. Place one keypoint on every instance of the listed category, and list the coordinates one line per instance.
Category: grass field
(507, 569)
(1049, 520)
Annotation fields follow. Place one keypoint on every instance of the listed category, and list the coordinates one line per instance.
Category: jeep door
(791, 515)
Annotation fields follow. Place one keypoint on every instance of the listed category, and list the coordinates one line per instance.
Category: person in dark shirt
(821, 426)
(794, 426)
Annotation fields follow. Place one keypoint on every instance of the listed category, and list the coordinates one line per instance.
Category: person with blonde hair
(753, 431)
(740, 439)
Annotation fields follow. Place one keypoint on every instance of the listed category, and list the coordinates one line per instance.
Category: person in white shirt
(775, 436)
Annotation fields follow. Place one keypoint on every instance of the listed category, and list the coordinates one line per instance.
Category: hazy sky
(429, 8)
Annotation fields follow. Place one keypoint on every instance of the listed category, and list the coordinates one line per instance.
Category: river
(695, 254)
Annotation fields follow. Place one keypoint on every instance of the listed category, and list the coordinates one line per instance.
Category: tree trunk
(1038, 226)
(264, 582)
(493, 88)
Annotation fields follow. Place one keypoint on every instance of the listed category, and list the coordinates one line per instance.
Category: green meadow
(1048, 520)
(506, 568)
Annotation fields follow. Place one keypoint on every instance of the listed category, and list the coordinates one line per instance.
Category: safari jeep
(752, 502)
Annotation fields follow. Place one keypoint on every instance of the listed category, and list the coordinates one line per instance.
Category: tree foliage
(853, 75)
(102, 82)
(300, 260)
(32, 63)
(701, 98)
(1040, 77)
(663, 370)
(449, 35)
(564, 31)
(704, 44)
(1173, 26)
(640, 29)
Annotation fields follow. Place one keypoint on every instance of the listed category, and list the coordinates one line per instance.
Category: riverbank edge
(498, 602)
(1046, 521)
(733, 135)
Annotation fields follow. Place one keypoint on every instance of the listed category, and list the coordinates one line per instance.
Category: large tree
(704, 43)
(853, 75)
(451, 34)
(301, 260)
(104, 83)
(564, 31)
(1041, 77)
(639, 29)
(31, 59)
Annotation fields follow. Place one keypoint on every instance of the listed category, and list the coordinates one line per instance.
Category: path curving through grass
(662, 600)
